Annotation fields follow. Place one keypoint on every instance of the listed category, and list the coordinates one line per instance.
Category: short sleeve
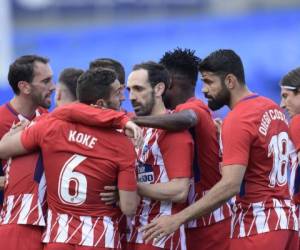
(177, 149)
(31, 137)
(236, 141)
(127, 176)
(295, 131)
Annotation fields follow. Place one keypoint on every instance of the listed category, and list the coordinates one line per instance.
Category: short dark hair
(183, 62)
(223, 62)
(94, 84)
(156, 72)
(22, 69)
(69, 77)
(292, 79)
(111, 64)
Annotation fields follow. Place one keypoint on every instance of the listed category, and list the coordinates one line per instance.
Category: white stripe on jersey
(48, 229)
(10, 204)
(63, 228)
(87, 231)
(25, 208)
(109, 232)
(282, 219)
(260, 217)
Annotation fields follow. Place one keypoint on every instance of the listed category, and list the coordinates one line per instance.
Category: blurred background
(266, 34)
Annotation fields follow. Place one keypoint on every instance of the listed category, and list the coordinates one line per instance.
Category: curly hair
(182, 61)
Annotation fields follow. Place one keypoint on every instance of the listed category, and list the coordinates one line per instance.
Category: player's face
(290, 101)
(42, 85)
(141, 94)
(116, 96)
(215, 91)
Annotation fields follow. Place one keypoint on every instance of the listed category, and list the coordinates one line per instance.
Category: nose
(132, 96)
(52, 86)
(204, 89)
(282, 103)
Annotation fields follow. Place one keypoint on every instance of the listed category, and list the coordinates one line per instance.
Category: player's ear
(159, 89)
(230, 81)
(100, 103)
(24, 87)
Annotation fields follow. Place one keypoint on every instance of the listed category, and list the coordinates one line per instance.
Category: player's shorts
(275, 240)
(21, 237)
(136, 246)
(215, 236)
(66, 246)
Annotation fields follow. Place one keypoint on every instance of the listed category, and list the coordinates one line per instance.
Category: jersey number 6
(67, 177)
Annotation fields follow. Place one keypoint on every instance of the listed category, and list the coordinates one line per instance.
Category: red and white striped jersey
(164, 156)
(83, 230)
(86, 160)
(260, 143)
(220, 214)
(206, 165)
(25, 186)
(263, 217)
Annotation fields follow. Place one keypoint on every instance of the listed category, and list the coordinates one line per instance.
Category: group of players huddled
(90, 175)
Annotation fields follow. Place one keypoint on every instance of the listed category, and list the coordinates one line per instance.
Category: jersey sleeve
(198, 110)
(177, 149)
(91, 116)
(31, 137)
(236, 139)
(126, 175)
(295, 131)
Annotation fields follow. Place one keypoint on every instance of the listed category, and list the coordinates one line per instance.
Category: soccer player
(30, 78)
(24, 195)
(213, 229)
(86, 159)
(164, 161)
(255, 157)
(290, 100)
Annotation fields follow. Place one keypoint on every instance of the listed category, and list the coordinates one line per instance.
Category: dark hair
(223, 62)
(183, 62)
(156, 73)
(111, 64)
(69, 77)
(94, 84)
(292, 79)
(22, 69)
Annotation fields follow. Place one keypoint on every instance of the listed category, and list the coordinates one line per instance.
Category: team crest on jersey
(145, 172)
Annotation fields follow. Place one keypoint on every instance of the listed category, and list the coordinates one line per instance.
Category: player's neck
(23, 106)
(238, 95)
(158, 108)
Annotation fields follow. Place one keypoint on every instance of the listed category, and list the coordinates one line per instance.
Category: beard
(144, 109)
(222, 99)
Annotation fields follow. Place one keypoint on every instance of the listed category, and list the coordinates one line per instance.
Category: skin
(62, 95)
(37, 93)
(219, 93)
(290, 101)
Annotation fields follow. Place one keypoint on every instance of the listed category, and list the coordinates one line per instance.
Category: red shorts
(275, 240)
(66, 246)
(215, 236)
(21, 237)
(136, 246)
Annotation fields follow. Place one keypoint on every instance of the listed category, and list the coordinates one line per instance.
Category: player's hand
(134, 132)
(159, 228)
(110, 197)
(18, 127)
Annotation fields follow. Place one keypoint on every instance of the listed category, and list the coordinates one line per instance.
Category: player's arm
(128, 202)
(129, 199)
(173, 122)
(91, 115)
(11, 145)
(175, 190)
(227, 187)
